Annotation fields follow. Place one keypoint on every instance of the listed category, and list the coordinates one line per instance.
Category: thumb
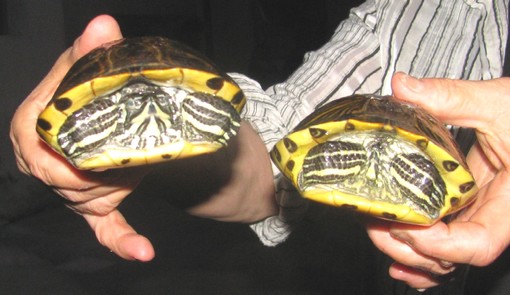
(472, 104)
(113, 231)
(100, 30)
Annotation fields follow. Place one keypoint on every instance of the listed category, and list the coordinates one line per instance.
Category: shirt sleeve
(456, 39)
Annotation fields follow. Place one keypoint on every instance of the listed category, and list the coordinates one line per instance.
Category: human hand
(94, 195)
(481, 232)
(246, 197)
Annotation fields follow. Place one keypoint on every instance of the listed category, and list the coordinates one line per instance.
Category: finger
(27, 145)
(478, 236)
(95, 201)
(402, 252)
(483, 166)
(414, 278)
(113, 232)
(482, 105)
(87, 185)
(457, 242)
(100, 30)
(456, 102)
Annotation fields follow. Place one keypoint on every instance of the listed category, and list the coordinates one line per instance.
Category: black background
(47, 249)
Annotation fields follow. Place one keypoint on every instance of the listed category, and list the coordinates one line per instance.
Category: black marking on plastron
(290, 145)
(349, 127)
(290, 165)
(450, 165)
(390, 216)
(275, 153)
(125, 161)
(63, 103)
(238, 98)
(44, 124)
(422, 144)
(215, 83)
(317, 132)
(466, 187)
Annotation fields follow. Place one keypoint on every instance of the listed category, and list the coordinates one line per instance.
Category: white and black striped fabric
(457, 39)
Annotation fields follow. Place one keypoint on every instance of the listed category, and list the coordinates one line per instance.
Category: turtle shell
(378, 156)
(138, 101)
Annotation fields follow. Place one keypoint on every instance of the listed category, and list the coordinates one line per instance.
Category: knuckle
(98, 207)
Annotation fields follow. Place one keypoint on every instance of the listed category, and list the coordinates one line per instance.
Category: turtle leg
(88, 128)
(420, 182)
(332, 163)
(209, 118)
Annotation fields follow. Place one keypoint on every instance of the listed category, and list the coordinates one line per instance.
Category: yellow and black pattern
(332, 162)
(138, 101)
(377, 156)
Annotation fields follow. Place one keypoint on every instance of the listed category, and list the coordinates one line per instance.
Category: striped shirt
(457, 39)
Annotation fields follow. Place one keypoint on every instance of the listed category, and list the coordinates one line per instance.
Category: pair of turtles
(146, 100)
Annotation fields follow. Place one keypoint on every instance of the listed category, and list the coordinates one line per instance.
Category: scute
(180, 105)
(378, 156)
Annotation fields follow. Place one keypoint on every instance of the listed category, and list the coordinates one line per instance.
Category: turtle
(377, 155)
(140, 100)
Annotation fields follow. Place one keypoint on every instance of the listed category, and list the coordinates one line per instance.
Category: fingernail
(446, 264)
(412, 83)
